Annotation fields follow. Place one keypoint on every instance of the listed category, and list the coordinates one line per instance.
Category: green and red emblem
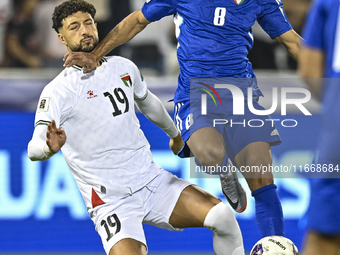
(238, 2)
(126, 80)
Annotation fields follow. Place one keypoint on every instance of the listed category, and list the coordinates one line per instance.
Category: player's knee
(221, 220)
(211, 156)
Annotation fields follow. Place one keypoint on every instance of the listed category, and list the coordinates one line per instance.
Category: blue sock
(268, 209)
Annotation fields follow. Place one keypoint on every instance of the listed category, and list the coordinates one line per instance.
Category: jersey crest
(126, 80)
(238, 2)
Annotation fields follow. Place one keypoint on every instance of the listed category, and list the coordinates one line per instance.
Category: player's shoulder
(121, 64)
(118, 61)
(264, 3)
(67, 79)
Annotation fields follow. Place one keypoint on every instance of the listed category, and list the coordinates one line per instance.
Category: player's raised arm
(291, 41)
(46, 141)
(154, 110)
(122, 33)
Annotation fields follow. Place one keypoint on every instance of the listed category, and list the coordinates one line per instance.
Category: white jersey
(105, 148)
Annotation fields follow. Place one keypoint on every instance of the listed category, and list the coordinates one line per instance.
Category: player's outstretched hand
(83, 59)
(176, 144)
(55, 137)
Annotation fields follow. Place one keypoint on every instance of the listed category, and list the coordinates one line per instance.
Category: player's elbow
(31, 156)
(34, 153)
(142, 22)
(291, 41)
(30, 153)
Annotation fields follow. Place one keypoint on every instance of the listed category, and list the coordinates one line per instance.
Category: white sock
(227, 237)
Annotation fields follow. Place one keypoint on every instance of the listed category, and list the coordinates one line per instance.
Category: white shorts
(152, 205)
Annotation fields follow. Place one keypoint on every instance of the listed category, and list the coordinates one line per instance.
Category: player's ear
(62, 38)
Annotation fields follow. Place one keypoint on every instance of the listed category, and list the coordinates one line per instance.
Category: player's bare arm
(122, 33)
(310, 67)
(291, 41)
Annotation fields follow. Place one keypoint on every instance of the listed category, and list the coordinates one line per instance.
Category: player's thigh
(192, 207)
(316, 244)
(128, 246)
(205, 143)
(254, 162)
(120, 220)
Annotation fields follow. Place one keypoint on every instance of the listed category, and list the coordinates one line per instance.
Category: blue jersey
(322, 31)
(215, 36)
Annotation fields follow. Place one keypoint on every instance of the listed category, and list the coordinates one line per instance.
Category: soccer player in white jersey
(91, 118)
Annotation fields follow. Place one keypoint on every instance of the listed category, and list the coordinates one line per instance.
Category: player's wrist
(178, 136)
(96, 55)
(173, 133)
(47, 150)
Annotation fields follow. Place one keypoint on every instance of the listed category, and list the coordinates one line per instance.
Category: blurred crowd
(28, 40)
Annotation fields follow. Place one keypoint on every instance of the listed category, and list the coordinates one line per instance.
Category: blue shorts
(237, 130)
(323, 213)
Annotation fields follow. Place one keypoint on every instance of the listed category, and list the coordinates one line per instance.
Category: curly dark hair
(69, 7)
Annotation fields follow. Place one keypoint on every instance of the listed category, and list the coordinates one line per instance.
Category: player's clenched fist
(176, 144)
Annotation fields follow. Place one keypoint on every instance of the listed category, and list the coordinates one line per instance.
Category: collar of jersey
(79, 68)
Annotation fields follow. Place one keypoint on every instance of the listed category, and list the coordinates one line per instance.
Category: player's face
(79, 32)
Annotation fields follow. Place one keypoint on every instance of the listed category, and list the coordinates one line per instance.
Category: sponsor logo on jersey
(238, 2)
(126, 80)
(44, 104)
(91, 94)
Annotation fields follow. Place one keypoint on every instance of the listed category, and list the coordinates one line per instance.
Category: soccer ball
(274, 245)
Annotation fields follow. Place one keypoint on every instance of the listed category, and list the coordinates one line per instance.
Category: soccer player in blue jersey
(214, 38)
(320, 57)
